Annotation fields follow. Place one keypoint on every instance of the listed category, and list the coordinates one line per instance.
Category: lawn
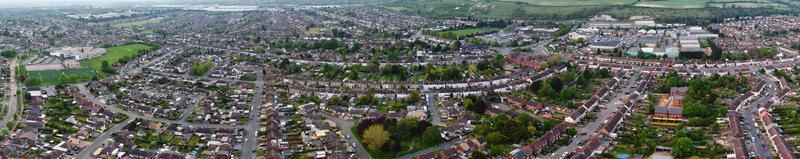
(414, 145)
(460, 33)
(113, 54)
(52, 77)
(135, 23)
(574, 2)
(315, 30)
(673, 4)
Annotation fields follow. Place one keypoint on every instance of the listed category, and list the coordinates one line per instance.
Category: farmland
(114, 54)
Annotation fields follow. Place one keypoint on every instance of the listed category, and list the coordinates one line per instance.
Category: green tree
(682, 147)
(408, 127)
(495, 138)
(375, 137)
(478, 155)
(9, 53)
(414, 97)
(432, 136)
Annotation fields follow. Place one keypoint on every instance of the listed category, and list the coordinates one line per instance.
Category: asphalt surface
(11, 95)
(759, 147)
(431, 149)
(130, 114)
(251, 131)
(190, 109)
(86, 152)
(345, 126)
(594, 125)
(430, 101)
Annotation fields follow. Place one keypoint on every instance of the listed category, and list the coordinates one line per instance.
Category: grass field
(52, 77)
(574, 9)
(574, 2)
(460, 33)
(315, 30)
(673, 4)
(113, 54)
(135, 23)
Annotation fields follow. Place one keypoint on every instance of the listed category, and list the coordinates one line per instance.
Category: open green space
(51, 77)
(462, 33)
(673, 4)
(582, 9)
(114, 54)
(574, 2)
(135, 23)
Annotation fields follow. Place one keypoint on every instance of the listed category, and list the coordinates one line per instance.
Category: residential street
(760, 147)
(87, 151)
(611, 107)
(11, 95)
(251, 131)
(345, 126)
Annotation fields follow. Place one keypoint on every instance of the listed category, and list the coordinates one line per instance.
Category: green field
(135, 23)
(315, 30)
(673, 4)
(574, 2)
(52, 77)
(461, 33)
(583, 9)
(113, 54)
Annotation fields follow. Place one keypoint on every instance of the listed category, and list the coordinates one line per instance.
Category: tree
(495, 138)
(478, 155)
(556, 84)
(682, 147)
(432, 136)
(408, 127)
(472, 103)
(375, 137)
(9, 53)
(414, 97)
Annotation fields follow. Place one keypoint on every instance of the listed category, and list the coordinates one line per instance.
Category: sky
(49, 3)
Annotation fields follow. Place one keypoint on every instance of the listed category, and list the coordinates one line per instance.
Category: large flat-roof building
(77, 53)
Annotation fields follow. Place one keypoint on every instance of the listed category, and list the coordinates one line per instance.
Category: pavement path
(431, 149)
(11, 94)
(430, 101)
(251, 130)
(190, 109)
(345, 126)
(759, 146)
(87, 151)
(130, 114)
(611, 107)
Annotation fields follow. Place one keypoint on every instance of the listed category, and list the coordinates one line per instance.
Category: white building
(77, 53)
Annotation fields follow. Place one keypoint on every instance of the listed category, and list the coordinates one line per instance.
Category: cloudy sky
(40, 3)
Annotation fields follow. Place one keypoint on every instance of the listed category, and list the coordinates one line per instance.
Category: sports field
(460, 33)
(113, 54)
(135, 23)
(52, 77)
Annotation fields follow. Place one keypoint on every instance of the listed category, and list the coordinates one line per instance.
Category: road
(86, 152)
(594, 125)
(749, 118)
(431, 149)
(190, 109)
(345, 126)
(251, 131)
(130, 114)
(11, 94)
(430, 100)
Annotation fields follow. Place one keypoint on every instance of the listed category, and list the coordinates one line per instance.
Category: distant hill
(665, 10)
